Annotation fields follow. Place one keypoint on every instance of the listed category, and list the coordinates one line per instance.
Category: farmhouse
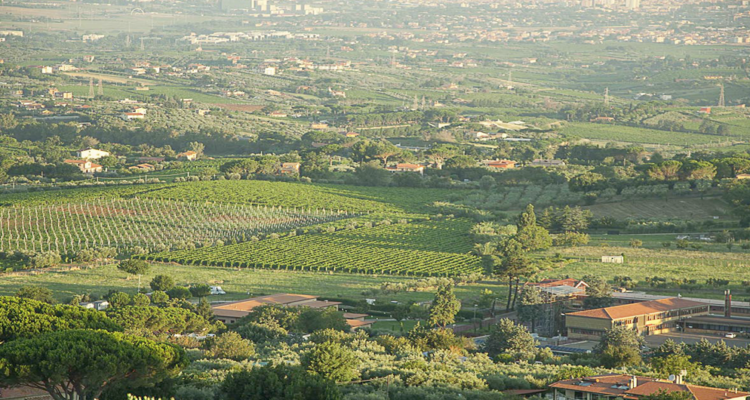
(647, 318)
(188, 155)
(499, 164)
(128, 116)
(92, 154)
(86, 166)
(289, 168)
(402, 167)
(622, 386)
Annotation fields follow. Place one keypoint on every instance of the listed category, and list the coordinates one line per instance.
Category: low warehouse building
(647, 318)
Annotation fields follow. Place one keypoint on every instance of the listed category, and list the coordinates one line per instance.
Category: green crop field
(146, 223)
(431, 248)
(618, 133)
(239, 284)
(335, 197)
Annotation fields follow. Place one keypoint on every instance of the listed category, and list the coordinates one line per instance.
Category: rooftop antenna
(721, 97)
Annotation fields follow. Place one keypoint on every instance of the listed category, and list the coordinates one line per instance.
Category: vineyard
(427, 248)
(151, 224)
(337, 197)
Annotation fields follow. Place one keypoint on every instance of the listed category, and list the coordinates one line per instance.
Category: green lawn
(237, 283)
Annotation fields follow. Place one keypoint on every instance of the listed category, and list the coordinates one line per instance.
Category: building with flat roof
(229, 313)
(647, 318)
(631, 387)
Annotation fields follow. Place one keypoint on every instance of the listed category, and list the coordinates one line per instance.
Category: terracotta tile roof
(617, 385)
(356, 324)
(636, 309)
(409, 166)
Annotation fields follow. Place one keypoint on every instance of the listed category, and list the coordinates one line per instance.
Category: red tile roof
(636, 309)
(618, 385)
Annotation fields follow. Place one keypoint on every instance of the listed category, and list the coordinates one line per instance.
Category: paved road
(690, 338)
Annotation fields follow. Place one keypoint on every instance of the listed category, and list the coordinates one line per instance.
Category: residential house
(647, 318)
(289, 168)
(404, 167)
(188, 155)
(631, 387)
(499, 164)
(128, 116)
(86, 166)
(92, 154)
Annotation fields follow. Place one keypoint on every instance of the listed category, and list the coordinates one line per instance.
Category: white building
(92, 154)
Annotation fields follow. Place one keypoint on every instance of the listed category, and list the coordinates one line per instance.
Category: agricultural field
(357, 199)
(712, 260)
(685, 208)
(239, 284)
(511, 198)
(426, 248)
(627, 134)
(147, 223)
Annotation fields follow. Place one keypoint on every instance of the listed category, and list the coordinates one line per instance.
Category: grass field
(618, 133)
(653, 260)
(237, 283)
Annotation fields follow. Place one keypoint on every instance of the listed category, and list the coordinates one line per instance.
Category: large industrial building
(647, 318)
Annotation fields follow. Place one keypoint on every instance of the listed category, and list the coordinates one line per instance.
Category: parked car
(217, 290)
(730, 335)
